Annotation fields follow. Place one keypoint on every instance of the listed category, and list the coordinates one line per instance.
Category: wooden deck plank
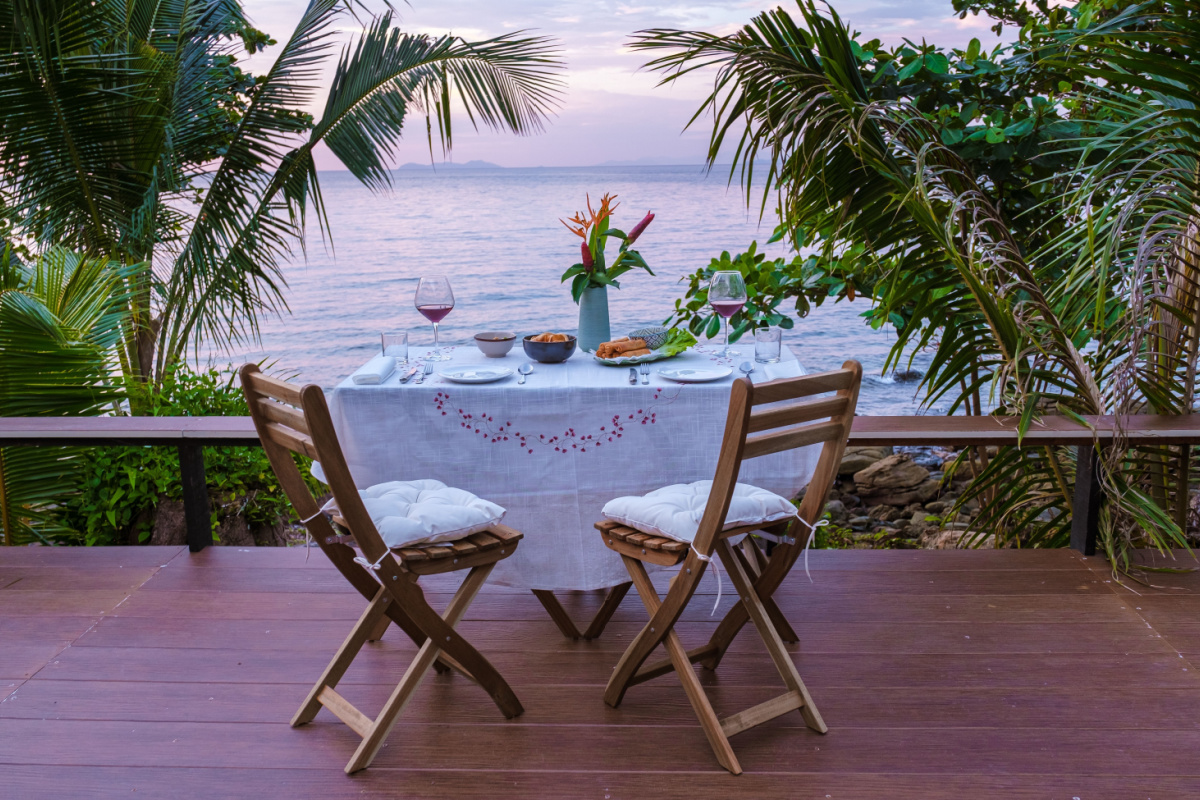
(1093, 671)
(449, 700)
(524, 607)
(856, 637)
(42, 578)
(1039, 751)
(842, 582)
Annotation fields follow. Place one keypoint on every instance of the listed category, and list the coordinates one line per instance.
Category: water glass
(768, 345)
(396, 346)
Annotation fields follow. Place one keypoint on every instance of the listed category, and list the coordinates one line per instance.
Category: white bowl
(495, 344)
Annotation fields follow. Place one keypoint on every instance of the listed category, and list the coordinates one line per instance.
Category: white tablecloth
(555, 450)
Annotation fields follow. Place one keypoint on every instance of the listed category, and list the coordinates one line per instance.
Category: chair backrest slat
(836, 380)
(295, 441)
(284, 415)
(791, 438)
(796, 413)
(272, 387)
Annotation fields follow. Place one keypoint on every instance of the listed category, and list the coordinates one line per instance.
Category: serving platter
(625, 361)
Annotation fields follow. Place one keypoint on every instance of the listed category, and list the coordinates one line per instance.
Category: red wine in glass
(727, 308)
(727, 295)
(434, 300)
(435, 313)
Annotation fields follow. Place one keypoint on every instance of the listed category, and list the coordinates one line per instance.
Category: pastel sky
(611, 111)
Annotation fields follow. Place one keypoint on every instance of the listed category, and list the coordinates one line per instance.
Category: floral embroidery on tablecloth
(613, 429)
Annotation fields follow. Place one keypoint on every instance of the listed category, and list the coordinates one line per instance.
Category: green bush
(121, 486)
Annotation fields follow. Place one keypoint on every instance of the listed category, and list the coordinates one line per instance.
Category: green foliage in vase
(61, 318)
(1087, 306)
(119, 487)
(131, 132)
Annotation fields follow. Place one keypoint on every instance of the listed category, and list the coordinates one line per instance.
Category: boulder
(891, 475)
(917, 495)
(837, 510)
(170, 527)
(884, 513)
(856, 459)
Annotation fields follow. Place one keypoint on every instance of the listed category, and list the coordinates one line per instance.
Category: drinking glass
(395, 345)
(434, 300)
(727, 295)
(768, 345)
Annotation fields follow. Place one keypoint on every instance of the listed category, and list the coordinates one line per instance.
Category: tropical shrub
(119, 487)
(1098, 316)
(61, 319)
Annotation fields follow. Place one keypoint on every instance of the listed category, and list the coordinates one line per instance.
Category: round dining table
(553, 450)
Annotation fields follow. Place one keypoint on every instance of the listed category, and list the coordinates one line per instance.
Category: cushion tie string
(330, 505)
(716, 565)
(363, 560)
(812, 534)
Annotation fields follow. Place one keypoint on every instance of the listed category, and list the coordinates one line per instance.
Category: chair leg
(344, 656)
(380, 629)
(612, 601)
(426, 656)
(709, 721)
(779, 654)
(754, 562)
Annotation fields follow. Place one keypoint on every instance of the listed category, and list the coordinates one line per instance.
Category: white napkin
(375, 371)
(772, 372)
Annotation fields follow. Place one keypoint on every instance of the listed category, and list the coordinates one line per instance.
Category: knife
(408, 375)
(633, 376)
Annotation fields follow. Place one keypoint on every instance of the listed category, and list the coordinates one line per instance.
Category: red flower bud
(587, 256)
(637, 229)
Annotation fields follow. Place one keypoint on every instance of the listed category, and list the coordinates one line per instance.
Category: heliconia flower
(641, 226)
(588, 263)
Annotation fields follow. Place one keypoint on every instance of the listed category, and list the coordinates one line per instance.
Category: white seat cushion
(407, 513)
(675, 511)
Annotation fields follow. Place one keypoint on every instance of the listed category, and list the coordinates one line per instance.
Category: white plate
(475, 374)
(687, 375)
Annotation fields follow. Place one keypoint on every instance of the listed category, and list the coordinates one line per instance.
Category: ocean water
(495, 234)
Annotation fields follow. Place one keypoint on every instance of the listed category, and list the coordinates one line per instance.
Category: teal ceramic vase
(593, 318)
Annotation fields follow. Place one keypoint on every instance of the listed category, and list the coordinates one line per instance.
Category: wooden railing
(189, 435)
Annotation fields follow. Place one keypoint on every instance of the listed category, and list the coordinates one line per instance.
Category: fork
(644, 368)
(425, 373)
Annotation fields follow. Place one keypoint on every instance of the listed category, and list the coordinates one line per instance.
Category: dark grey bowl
(548, 352)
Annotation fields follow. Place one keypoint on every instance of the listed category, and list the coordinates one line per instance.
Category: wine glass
(727, 295)
(434, 300)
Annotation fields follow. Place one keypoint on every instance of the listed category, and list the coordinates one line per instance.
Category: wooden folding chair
(296, 420)
(767, 418)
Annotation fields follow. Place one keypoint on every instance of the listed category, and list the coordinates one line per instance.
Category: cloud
(612, 110)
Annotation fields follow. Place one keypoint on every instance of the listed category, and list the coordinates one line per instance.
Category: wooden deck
(156, 673)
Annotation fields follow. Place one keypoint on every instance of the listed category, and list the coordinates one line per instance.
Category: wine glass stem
(436, 347)
(726, 336)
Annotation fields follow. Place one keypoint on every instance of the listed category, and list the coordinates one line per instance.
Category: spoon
(746, 367)
(524, 369)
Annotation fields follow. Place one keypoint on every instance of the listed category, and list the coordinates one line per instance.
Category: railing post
(195, 497)
(1085, 511)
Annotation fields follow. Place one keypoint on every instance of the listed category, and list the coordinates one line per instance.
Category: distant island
(476, 164)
